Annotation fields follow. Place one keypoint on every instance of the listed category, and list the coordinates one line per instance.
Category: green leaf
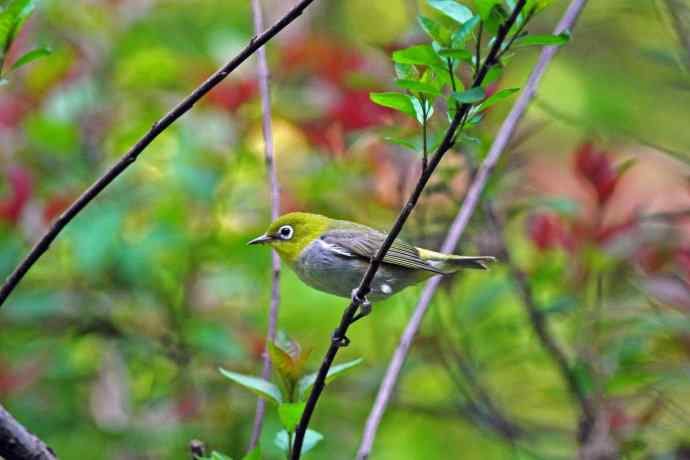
(434, 30)
(215, 455)
(470, 96)
(11, 20)
(311, 439)
(542, 40)
(452, 9)
(307, 381)
(419, 55)
(406, 71)
(484, 7)
(419, 110)
(457, 53)
(257, 385)
(497, 97)
(460, 37)
(418, 86)
(290, 414)
(32, 55)
(396, 101)
(254, 454)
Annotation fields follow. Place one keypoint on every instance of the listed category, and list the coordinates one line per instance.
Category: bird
(332, 256)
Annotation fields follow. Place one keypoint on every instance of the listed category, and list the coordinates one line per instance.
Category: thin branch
(339, 337)
(130, 157)
(197, 449)
(457, 228)
(17, 443)
(264, 78)
(541, 328)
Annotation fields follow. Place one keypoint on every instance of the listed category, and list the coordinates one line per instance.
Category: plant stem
(457, 228)
(364, 288)
(269, 153)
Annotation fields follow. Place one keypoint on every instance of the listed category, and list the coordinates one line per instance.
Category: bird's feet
(364, 306)
(338, 341)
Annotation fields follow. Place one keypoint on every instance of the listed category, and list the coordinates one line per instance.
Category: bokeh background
(109, 349)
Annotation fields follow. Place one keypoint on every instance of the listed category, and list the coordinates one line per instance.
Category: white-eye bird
(333, 255)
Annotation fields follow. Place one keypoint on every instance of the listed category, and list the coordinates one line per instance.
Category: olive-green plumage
(333, 255)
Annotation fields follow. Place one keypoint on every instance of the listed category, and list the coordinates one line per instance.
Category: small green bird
(333, 255)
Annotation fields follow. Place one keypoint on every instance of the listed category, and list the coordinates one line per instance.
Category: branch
(264, 77)
(130, 157)
(339, 338)
(16, 443)
(458, 227)
(541, 328)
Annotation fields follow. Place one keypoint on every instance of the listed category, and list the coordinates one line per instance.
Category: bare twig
(541, 328)
(364, 288)
(457, 228)
(264, 78)
(158, 127)
(17, 443)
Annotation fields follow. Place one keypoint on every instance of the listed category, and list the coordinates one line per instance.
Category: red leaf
(595, 166)
(547, 232)
(231, 95)
(21, 186)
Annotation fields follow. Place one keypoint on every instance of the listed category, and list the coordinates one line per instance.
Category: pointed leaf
(460, 37)
(311, 439)
(452, 9)
(418, 86)
(419, 112)
(32, 55)
(497, 97)
(396, 101)
(432, 29)
(470, 96)
(419, 55)
(290, 414)
(457, 53)
(406, 71)
(254, 454)
(543, 40)
(307, 381)
(283, 363)
(257, 385)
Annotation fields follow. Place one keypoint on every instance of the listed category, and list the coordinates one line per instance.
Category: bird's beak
(263, 239)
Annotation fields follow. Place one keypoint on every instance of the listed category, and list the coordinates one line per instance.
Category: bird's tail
(451, 263)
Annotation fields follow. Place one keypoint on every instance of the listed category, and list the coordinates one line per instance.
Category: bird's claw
(340, 341)
(364, 307)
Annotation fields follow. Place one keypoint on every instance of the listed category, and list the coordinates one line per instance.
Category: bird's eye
(285, 232)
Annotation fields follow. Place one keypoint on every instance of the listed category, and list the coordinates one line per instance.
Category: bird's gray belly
(337, 274)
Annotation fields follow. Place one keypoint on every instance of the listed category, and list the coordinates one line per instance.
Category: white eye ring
(285, 232)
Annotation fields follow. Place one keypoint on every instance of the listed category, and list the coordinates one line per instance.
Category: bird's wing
(364, 242)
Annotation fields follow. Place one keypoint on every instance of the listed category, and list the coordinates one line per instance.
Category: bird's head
(291, 233)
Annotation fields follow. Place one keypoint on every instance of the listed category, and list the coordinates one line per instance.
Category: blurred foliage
(111, 344)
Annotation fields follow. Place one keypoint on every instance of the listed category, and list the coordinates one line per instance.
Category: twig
(197, 449)
(541, 328)
(158, 127)
(364, 288)
(264, 78)
(457, 228)
(17, 443)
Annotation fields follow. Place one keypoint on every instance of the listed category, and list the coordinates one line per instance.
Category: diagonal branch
(17, 443)
(540, 326)
(264, 89)
(130, 157)
(458, 227)
(339, 337)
